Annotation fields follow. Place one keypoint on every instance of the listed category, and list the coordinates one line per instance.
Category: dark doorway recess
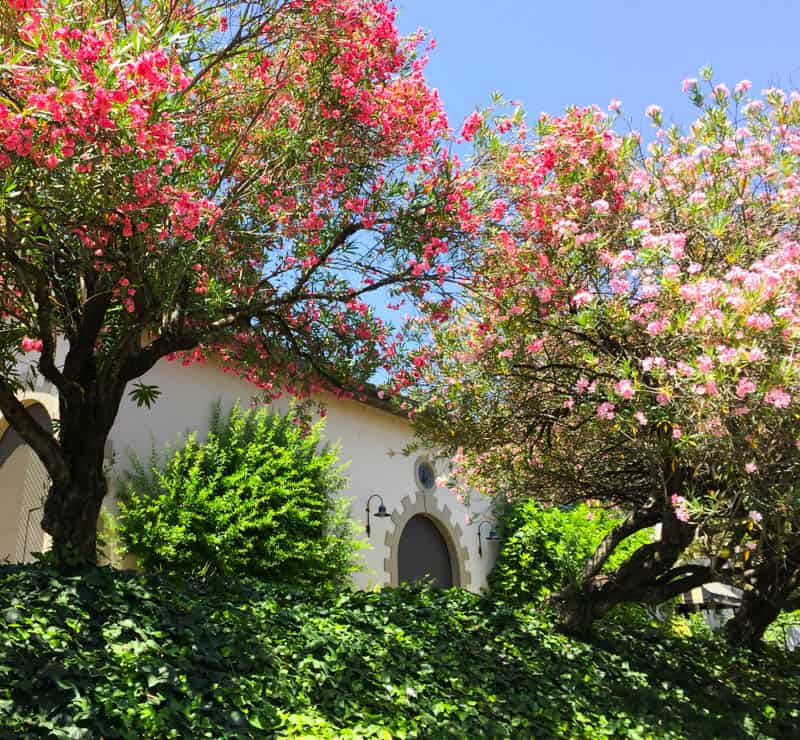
(423, 551)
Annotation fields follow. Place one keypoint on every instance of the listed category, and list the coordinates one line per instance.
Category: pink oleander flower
(760, 321)
(701, 152)
(704, 363)
(32, 345)
(755, 516)
(606, 410)
(679, 505)
(641, 418)
(623, 258)
(688, 84)
(744, 387)
(677, 251)
(779, 398)
(742, 87)
(472, 123)
(615, 105)
(582, 298)
(23, 5)
(600, 206)
(499, 208)
(624, 388)
(751, 467)
(619, 285)
(654, 328)
(677, 433)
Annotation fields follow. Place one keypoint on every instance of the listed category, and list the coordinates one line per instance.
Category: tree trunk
(90, 385)
(71, 512)
(73, 505)
(647, 576)
(578, 608)
(774, 581)
(747, 627)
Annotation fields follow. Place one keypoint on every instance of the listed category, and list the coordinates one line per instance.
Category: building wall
(370, 442)
(23, 485)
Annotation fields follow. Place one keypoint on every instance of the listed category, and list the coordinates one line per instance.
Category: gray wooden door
(424, 552)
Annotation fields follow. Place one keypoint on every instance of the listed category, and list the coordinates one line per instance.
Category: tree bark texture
(774, 581)
(649, 575)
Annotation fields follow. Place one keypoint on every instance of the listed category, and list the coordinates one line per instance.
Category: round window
(426, 475)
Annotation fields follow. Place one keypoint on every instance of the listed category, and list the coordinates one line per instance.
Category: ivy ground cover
(111, 654)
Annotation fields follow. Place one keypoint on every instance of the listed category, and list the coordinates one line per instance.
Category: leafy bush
(257, 498)
(545, 548)
(112, 654)
(777, 632)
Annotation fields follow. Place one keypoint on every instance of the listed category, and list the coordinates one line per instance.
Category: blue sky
(552, 53)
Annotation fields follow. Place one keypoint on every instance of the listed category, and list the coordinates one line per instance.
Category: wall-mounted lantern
(491, 536)
(381, 513)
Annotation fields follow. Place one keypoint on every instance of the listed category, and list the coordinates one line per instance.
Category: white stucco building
(427, 531)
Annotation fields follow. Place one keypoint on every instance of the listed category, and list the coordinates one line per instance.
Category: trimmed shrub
(257, 498)
(544, 549)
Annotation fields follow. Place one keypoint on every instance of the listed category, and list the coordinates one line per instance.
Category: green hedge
(257, 498)
(545, 548)
(119, 655)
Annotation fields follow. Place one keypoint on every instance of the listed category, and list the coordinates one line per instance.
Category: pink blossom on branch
(662, 353)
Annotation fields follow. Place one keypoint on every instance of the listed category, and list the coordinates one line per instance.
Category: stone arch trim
(47, 401)
(427, 505)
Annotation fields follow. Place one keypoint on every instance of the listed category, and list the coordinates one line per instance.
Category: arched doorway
(23, 484)
(423, 551)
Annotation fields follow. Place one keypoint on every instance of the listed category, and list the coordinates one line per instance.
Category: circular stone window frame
(425, 504)
(424, 462)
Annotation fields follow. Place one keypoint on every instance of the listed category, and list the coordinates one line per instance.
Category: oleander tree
(178, 178)
(630, 336)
